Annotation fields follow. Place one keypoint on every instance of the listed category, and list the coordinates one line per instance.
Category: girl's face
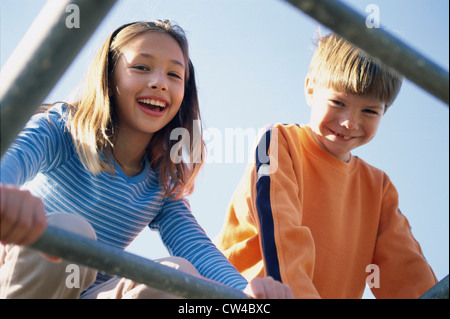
(342, 122)
(148, 84)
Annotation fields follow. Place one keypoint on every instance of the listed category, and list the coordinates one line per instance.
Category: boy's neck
(316, 139)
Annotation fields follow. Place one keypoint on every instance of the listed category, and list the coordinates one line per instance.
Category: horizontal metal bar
(438, 291)
(44, 53)
(377, 42)
(115, 261)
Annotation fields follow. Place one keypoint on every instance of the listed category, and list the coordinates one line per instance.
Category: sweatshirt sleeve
(403, 270)
(185, 238)
(41, 145)
(264, 230)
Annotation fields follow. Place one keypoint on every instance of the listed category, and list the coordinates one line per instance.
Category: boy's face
(342, 122)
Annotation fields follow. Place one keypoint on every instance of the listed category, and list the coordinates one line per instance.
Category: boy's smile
(342, 122)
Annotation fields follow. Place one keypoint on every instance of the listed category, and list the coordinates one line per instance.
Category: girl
(106, 162)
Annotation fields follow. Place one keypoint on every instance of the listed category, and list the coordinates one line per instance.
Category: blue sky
(251, 58)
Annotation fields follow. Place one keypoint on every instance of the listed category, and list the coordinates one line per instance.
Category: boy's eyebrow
(149, 56)
(341, 97)
(379, 107)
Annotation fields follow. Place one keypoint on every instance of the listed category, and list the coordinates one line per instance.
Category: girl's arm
(42, 145)
(185, 238)
(39, 147)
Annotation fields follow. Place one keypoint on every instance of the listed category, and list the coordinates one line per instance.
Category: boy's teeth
(343, 136)
(153, 102)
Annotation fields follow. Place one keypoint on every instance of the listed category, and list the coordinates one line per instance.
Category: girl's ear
(309, 91)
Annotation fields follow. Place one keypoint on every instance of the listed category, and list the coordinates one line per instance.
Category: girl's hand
(268, 288)
(22, 216)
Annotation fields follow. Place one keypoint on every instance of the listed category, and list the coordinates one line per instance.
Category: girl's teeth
(153, 102)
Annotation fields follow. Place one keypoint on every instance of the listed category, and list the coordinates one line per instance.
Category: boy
(313, 216)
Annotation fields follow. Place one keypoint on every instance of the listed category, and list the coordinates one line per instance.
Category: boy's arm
(265, 219)
(403, 270)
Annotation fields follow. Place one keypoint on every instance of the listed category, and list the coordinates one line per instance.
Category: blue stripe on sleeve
(264, 208)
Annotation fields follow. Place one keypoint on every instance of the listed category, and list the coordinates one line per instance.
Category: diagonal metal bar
(438, 291)
(348, 23)
(41, 58)
(115, 261)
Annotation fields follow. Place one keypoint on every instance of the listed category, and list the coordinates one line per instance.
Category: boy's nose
(349, 122)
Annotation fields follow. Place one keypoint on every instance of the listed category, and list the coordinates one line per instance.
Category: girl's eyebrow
(149, 56)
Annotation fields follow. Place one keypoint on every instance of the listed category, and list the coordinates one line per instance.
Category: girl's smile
(153, 105)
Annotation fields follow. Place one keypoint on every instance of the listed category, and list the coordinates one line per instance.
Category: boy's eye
(369, 111)
(336, 103)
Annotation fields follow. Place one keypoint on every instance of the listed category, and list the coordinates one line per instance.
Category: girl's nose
(157, 82)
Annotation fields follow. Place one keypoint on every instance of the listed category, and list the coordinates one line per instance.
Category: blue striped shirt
(43, 159)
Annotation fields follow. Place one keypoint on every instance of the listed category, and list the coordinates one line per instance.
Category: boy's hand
(268, 288)
(22, 216)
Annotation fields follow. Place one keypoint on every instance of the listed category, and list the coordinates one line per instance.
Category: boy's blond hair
(340, 65)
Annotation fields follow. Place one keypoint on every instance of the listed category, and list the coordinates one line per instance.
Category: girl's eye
(141, 67)
(175, 75)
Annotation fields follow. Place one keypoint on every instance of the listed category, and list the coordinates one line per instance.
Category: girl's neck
(130, 154)
(131, 167)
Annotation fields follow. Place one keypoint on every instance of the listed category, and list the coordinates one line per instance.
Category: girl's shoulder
(52, 117)
(51, 124)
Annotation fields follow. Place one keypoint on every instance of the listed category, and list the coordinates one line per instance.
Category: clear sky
(251, 58)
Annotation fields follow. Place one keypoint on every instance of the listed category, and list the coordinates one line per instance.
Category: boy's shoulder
(299, 132)
(369, 167)
(283, 127)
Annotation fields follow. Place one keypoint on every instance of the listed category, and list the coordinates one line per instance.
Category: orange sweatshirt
(321, 225)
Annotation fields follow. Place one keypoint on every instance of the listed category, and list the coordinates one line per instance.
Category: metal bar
(438, 291)
(44, 53)
(112, 260)
(115, 261)
(348, 23)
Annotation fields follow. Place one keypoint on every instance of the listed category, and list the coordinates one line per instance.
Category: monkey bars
(113, 260)
(50, 45)
(41, 58)
(378, 43)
